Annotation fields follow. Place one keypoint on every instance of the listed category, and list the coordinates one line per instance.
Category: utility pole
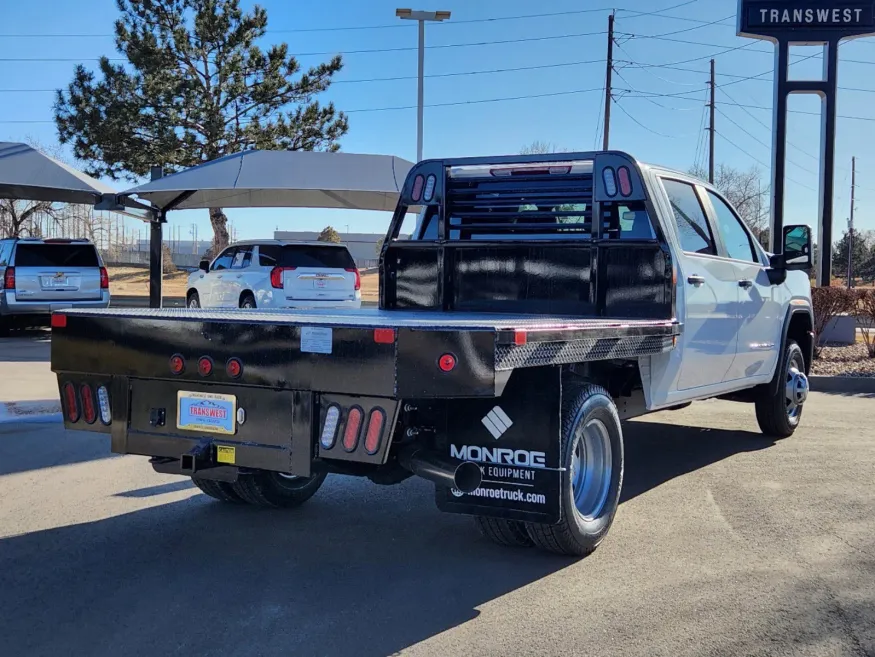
(851, 223)
(711, 130)
(608, 79)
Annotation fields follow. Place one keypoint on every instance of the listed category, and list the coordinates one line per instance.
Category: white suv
(277, 274)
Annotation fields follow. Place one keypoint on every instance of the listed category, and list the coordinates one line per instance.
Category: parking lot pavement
(24, 367)
(725, 544)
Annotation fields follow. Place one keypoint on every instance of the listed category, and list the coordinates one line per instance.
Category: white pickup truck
(541, 300)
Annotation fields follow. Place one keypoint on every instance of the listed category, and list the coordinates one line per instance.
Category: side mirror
(204, 265)
(798, 254)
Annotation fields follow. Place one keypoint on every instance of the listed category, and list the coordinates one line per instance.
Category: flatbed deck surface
(377, 318)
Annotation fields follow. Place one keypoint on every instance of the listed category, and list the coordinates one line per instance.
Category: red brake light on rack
(358, 277)
(610, 181)
(625, 181)
(416, 192)
(375, 430)
(276, 276)
(353, 429)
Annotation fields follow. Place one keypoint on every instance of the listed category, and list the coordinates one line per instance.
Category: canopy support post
(156, 269)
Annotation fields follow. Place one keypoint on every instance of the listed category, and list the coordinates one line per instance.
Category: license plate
(54, 282)
(207, 412)
(320, 283)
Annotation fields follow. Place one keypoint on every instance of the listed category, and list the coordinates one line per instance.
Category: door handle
(696, 280)
(746, 284)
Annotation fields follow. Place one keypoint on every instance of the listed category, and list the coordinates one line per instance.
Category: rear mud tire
(220, 490)
(777, 414)
(591, 436)
(193, 300)
(509, 533)
(272, 490)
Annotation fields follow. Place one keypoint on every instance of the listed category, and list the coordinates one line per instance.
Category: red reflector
(353, 429)
(384, 336)
(59, 321)
(89, 412)
(9, 278)
(104, 279)
(358, 277)
(375, 430)
(447, 362)
(71, 402)
(205, 366)
(234, 367)
(177, 364)
(520, 337)
(625, 181)
(416, 192)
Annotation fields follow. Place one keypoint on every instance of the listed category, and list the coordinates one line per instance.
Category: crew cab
(541, 300)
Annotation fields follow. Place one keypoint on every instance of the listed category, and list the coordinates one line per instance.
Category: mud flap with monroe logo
(516, 441)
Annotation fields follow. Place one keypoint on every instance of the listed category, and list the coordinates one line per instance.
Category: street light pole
(421, 17)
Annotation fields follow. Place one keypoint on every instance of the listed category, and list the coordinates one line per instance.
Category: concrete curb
(46, 410)
(850, 385)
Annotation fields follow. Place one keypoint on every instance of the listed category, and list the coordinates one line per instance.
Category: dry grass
(134, 282)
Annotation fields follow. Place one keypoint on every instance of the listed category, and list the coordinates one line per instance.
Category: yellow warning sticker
(226, 454)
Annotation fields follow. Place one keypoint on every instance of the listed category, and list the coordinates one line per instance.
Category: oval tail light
(329, 429)
(625, 179)
(416, 192)
(103, 405)
(610, 181)
(353, 429)
(376, 422)
(71, 402)
(89, 411)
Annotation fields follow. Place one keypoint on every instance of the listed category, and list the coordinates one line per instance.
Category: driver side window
(693, 230)
(224, 261)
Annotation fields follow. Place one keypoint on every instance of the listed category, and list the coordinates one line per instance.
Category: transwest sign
(813, 22)
(773, 18)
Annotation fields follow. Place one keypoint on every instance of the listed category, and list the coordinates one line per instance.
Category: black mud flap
(515, 439)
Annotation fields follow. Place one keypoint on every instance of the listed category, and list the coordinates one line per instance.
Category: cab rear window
(56, 255)
(330, 257)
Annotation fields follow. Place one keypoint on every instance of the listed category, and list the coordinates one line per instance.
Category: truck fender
(807, 346)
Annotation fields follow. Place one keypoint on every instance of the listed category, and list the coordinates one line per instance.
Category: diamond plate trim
(508, 357)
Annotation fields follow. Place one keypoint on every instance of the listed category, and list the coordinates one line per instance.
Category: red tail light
(447, 363)
(177, 364)
(353, 429)
(625, 181)
(71, 402)
(9, 278)
(234, 367)
(89, 411)
(375, 430)
(104, 279)
(205, 366)
(276, 276)
(358, 278)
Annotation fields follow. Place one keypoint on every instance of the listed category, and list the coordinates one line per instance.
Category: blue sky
(665, 127)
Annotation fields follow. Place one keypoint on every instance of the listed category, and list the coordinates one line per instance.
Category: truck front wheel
(779, 412)
(592, 455)
(276, 489)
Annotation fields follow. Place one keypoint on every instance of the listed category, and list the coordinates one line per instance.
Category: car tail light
(103, 405)
(177, 364)
(384, 336)
(447, 363)
(375, 430)
(89, 412)
(59, 320)
(205, 366)
(9, 278)
(416, 192)
(358, 277)
(610, 181)
(104, 279)
(71, 402)
(625, 181)
(234, 368)
(353, 429)
(329, 429)
(276, 276)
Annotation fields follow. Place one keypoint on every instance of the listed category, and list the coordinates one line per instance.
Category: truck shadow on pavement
(360, 570)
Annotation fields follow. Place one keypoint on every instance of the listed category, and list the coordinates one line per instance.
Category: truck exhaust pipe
(461, 475)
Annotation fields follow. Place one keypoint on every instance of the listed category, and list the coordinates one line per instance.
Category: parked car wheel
(779, 413)
(193, 300)
(247, 301)
(592, 455)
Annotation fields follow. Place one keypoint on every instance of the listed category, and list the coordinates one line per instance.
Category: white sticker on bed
(316, 339)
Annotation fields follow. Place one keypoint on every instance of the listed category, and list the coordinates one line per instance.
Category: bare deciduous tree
(541, 148)
(747, 194)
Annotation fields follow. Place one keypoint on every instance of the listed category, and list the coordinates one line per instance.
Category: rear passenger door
(707, 291)
(235, 281)
(213, 285)
(759, 309)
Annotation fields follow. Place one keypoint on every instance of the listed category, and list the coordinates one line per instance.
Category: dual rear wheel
(267, 489)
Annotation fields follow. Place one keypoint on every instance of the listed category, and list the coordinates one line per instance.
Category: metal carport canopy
(29, 175)
(290, 179)
(273, 179)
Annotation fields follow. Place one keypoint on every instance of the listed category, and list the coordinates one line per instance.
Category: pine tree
(195, 87)
(861, 249)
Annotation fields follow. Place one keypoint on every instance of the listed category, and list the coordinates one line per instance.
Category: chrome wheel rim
(795, 387)
(591, 468)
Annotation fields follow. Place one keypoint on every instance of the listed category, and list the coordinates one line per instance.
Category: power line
(686, 29)
(404, 77)
(649, 129)
(756, 159)
(409, 107)
(760, 141)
